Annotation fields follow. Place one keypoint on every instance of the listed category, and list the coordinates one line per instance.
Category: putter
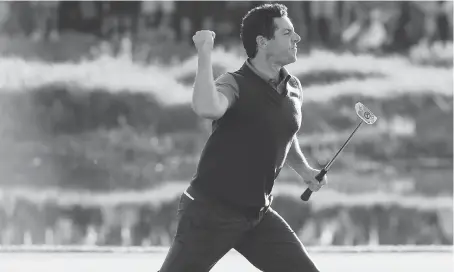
(367, 117)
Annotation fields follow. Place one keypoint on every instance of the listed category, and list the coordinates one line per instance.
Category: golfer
(256, 113)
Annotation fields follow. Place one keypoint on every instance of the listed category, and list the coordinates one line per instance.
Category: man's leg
(272, 246)
(205, 233)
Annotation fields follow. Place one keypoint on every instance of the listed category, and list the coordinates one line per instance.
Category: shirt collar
(283, 73)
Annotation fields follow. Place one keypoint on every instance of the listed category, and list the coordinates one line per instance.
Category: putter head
(365, 114)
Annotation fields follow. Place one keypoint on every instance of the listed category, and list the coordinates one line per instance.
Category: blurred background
(98, 139)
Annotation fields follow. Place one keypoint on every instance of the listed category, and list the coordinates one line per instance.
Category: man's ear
(261, 41)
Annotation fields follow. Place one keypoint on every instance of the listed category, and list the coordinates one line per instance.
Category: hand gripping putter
(367, 117)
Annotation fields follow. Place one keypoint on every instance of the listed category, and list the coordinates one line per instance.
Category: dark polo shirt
(249, 144)
(227, 85)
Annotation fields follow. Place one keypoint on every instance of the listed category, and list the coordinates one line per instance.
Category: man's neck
(268, 68)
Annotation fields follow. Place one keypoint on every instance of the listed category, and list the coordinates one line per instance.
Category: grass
(120, 74)
(326, 261)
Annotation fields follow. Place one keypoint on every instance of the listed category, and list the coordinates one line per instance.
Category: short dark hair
(259, 21)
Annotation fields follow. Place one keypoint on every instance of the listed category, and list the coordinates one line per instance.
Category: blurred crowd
(24, 222)
(365, 26)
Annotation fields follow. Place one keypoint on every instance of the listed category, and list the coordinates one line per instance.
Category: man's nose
(297, 38)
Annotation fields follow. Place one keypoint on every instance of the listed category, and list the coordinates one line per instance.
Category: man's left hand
(314, 184)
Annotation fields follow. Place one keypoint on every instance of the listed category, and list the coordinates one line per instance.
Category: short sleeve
(226, 84)
(300, 88)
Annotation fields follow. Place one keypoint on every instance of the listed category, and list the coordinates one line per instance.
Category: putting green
(151, 261)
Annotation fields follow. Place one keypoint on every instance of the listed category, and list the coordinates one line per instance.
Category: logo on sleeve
(294, 88)
(293, 82)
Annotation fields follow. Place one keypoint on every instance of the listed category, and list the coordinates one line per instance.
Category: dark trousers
(207, 231)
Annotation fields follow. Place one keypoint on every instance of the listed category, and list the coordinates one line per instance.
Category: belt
(194, 193)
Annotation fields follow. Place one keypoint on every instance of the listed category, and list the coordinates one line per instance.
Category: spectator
(4, 14)
(374, 35)
(352, 33)
(324, 14)
(46, 20)
(442, 23)
(401, 36)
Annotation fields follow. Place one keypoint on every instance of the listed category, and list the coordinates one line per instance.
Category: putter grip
(307, 194)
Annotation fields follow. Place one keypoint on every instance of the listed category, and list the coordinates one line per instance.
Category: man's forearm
(299, 164)
(205, 98)
(296, 159)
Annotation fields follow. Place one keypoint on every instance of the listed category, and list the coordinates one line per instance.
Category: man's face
(282, 49)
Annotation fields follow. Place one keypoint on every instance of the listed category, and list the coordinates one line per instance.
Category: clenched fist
(204, 40)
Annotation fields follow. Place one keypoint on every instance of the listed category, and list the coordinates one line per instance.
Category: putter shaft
(327, 166)
(366, 116)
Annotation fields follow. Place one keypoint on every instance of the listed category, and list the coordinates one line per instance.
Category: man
(256, 112)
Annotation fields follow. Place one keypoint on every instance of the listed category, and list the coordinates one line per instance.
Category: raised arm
(207, 102)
